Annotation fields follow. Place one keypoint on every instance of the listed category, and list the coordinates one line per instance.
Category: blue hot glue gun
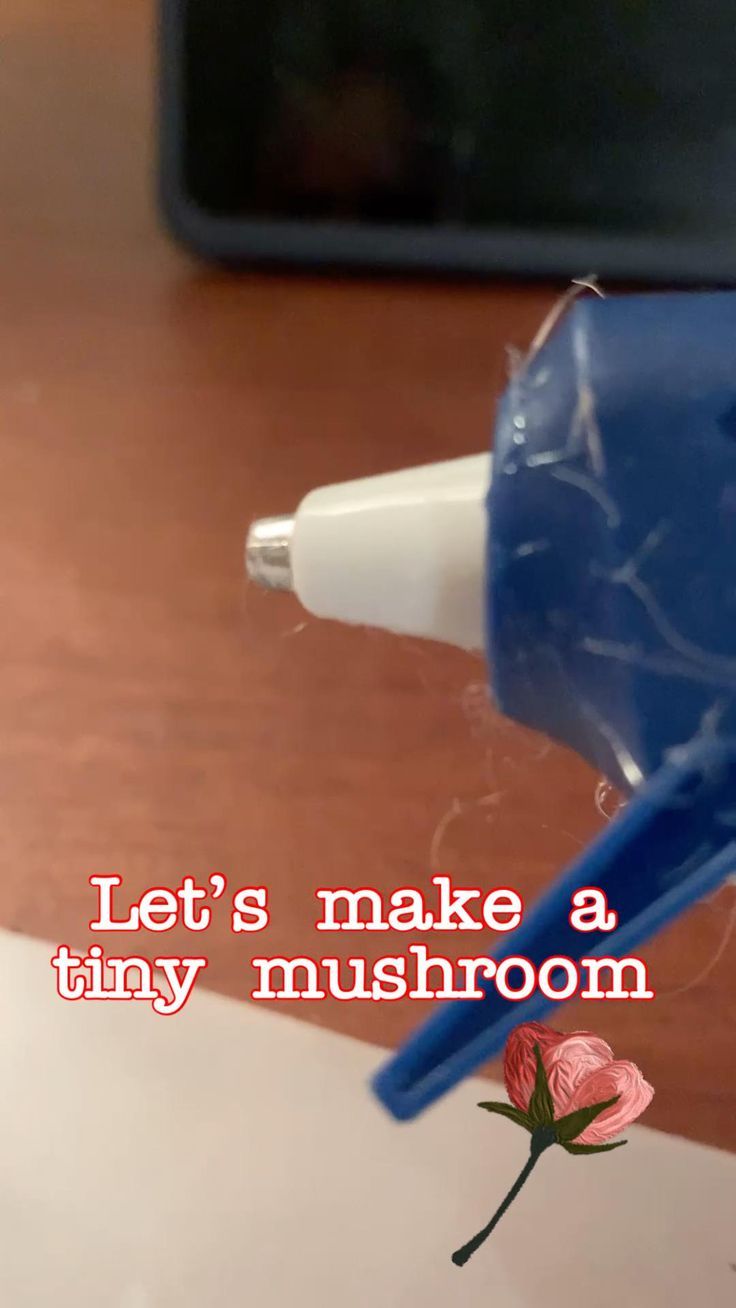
(606, 603)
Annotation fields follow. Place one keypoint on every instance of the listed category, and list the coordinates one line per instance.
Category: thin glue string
(577, 287)
(713, 962)
(604, 793)
(458, 808)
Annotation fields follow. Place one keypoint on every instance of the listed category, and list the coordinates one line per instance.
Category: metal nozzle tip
(268, 553)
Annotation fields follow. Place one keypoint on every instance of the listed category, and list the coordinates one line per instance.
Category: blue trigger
(674, 843)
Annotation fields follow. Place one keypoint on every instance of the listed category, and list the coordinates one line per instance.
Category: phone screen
(612, 115)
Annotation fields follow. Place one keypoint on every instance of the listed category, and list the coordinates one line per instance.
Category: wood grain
(156, 716)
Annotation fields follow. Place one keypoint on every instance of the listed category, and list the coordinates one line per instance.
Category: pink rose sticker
(567, 1090)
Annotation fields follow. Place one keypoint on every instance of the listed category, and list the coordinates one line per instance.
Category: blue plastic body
(612, 627)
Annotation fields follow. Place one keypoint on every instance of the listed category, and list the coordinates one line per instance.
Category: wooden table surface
(158, 717)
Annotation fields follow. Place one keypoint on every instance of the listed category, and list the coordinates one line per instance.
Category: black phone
(457, 136)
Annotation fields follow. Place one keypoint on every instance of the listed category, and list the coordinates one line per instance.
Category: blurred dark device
(465, 136)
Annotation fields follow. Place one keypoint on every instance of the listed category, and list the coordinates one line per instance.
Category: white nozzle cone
(404, 551)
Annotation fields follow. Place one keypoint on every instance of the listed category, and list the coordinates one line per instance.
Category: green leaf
(593, 1149)
(541, 1106)
(567, 1128)
(508, 1110)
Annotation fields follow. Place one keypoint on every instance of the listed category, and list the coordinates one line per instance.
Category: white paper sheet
(232, 1155)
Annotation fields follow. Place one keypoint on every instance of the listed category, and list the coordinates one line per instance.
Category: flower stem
(539, 1142)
